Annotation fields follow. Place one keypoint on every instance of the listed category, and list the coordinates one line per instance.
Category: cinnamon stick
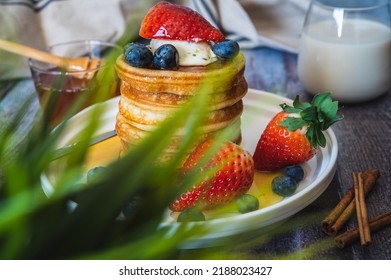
(329, 221)
(375, 224)
(346, 207)
(361, 210)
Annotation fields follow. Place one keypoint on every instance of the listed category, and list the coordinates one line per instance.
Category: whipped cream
(190, 53)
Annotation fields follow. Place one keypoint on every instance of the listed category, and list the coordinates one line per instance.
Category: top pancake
(189, 80)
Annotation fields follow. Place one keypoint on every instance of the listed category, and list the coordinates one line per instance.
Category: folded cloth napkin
(253, 23)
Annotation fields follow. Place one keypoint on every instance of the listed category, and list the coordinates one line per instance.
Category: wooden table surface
(363, 142)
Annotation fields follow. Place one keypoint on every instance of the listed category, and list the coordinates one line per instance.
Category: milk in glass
(352, 60)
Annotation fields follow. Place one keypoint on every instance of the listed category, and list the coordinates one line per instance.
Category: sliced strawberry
(175, 22)
(233, 173)
(293, 135)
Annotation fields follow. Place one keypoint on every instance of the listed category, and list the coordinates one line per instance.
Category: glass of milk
(345, 48)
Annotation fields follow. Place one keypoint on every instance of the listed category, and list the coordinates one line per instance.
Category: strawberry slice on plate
(175, 22)
(294, 134)
(232, 170)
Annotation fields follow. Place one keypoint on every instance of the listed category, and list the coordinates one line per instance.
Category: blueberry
(294, 171)
(191, 215)
(138, 55)
(226, 50)
(130, 46)
(166, 57)
(93, 173)
(284, 185)
(247, 203)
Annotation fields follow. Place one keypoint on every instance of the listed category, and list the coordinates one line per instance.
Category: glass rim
(58, 71)
(349, 8)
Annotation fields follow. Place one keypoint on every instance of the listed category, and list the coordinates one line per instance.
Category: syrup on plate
(107, 151)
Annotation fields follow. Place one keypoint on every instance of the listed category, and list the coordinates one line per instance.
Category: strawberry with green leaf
(294, 134)
(229, 174)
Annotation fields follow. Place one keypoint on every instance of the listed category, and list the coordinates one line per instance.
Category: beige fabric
(40, 24)
(255, 23)
(280, 21)
(273, 23)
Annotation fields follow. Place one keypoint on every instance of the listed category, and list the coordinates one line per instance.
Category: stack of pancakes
(149, 96)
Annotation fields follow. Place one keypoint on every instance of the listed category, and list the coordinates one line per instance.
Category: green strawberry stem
(316, 117)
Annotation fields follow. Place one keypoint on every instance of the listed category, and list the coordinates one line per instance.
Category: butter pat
(190, 53)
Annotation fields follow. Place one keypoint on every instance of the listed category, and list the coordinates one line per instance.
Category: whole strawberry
(231, 172)
(294, 134)
(174, 22)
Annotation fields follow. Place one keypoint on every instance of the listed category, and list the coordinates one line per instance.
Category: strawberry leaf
(330, 109)
(300, 105)
(309, 114)
(289, 109)
(292, 110)
(320, 98)
(322, 118)
(320, 139)
(291, 123)
(318, 115)
(311, 136)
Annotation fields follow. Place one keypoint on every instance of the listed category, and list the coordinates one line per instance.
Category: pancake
(148, 117)
(217, 100)
(131, 136)
(186, 80)
(150, 96)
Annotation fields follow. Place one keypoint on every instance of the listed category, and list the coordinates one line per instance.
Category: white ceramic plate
(259, 108)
